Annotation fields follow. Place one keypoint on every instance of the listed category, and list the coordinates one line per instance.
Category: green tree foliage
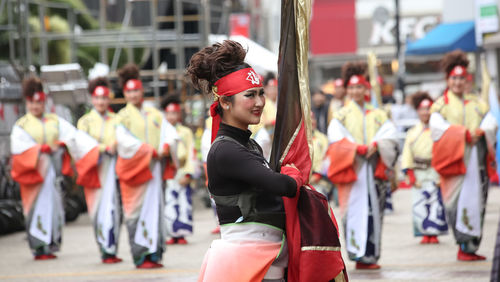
(59, 50)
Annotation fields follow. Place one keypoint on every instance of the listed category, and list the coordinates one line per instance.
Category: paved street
(403, 259)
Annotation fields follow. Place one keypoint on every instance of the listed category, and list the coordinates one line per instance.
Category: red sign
(333, 27)
(240, 24)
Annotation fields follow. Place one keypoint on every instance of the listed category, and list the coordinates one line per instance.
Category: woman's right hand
(46, 149)
(111, 149)
(292, 171)
(292, 165)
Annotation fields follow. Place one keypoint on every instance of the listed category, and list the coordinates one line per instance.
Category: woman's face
(424, 114)
(456, 84)
(35, 108)
(134, 97)
(101, 103)
(246, 108)
(357, 92)
(173, 117)
(272, 91)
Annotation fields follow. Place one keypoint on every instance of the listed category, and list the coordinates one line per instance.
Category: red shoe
(147, 264)
(181, 241)
(111, 260)
(172, 241)
(360, 265)
(433, 240)
(463, 256)
(216, 230)
(425, 240)
(45, 257)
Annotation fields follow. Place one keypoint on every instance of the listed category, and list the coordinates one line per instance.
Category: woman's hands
(111, 150)
(367, 150)
(292, 171)
(473, 137)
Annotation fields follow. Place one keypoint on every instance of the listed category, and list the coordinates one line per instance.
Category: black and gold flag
(312, 231)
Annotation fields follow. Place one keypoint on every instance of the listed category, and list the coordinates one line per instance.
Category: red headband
(358, 79)
(272, 82)
(173, 107)
(425, 103)
(233, 83)
(458, 71)
(338, 82)
(37, 97)
(132, 84)
(101, 91)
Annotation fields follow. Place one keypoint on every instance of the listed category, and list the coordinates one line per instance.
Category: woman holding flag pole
(255, 203)
(246, 191)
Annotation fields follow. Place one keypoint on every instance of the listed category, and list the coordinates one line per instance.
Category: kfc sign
(380, 30)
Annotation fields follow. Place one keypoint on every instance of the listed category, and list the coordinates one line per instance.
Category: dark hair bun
(353, 68)
(170, 99)
(269, 76)
(128, 72)
(418, 97)
(98, 81)
(31, 85)
(213, 62)
(452, 59)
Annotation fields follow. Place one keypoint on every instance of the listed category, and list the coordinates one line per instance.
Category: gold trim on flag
(302, 10)
(320, 248)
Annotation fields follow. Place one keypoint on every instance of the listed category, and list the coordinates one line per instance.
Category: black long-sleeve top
(233, 169)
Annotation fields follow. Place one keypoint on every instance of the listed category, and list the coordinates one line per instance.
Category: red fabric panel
(24, 167)
(313, 227)
(491, 166)
(88, 170)
(66, 165)
(135, 171)
(170, 170)
(299, 154)
(448, 152)
(380, 170)
(309, 223)
(333, 27)
(312, 265)
(342, 155)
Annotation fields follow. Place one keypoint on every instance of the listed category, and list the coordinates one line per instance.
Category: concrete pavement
(403, 258)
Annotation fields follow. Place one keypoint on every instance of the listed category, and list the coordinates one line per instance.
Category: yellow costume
(469, 111)
(145, 124)
(361, 181)
(185, 149)
(362, 124)
(138, 134)
(101, 128)
(178, 207)
(44, 130)
(320, 146)
(335, 106)
(428, 211)
(35, 167)
(418, 147)
(463, 165)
